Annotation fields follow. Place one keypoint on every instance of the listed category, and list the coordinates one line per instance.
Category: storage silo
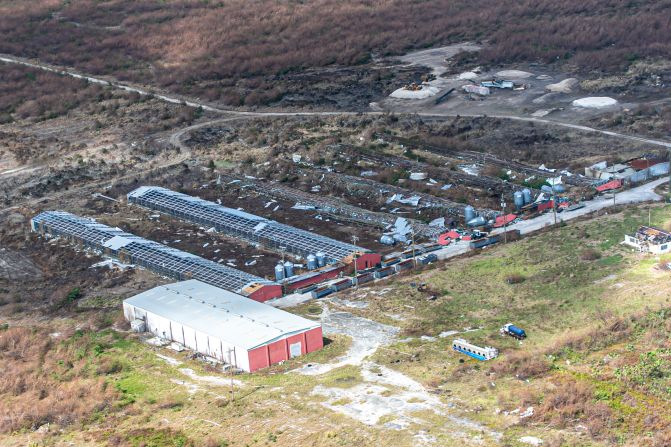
(288, 269)
(279, 271)
(469, 213)
(312, 262)
(518, 199)
(526, 193)
(321, 259)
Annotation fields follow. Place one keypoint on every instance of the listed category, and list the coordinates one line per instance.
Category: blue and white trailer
(486, 353)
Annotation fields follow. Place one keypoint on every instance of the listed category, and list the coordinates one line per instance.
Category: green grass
(562, 294)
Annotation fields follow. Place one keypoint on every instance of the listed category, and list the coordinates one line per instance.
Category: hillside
(242, 52)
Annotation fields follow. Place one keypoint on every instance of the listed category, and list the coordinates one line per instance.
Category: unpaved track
(176, 138)
(175, 99)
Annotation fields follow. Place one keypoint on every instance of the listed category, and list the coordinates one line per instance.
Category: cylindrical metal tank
(559, 188)
(279, 271)
(518, 199)
(546, 188)
(526, 193)
(312, 262)
(321, 259)
(469, 213)
(288, 269)
(387, 239)
(476, 222)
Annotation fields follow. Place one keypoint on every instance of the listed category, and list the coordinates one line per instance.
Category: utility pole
(355, 239)
(647, 176)
(412, 235)
(230, 369)
(554, 203)
(505, 221)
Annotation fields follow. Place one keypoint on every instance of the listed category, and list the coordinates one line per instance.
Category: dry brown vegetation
(45, 381)
(206, 47)
(569, 401)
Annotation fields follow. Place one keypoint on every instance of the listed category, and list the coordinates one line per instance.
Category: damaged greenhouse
(249, 227)
(159, 258)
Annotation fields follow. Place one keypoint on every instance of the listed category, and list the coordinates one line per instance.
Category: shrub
(515, 278)
(570, 401)
(109, 366)
(590, 254)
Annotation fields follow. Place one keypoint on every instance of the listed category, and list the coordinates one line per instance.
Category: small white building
(649, 240)
(223, 325)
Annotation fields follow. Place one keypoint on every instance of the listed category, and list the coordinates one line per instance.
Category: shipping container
(384, 272)
(390, 262)
(341, 285)
(364, 278)
(321, 292)
(428, 259)
(479, 243)
(404, 265)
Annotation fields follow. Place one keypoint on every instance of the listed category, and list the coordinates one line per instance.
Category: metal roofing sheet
(221, 314)
(241, 224)
(150, 254)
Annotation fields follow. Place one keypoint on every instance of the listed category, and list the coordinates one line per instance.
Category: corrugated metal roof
(221, 314)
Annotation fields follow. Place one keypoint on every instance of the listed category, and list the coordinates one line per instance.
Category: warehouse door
(295, 349)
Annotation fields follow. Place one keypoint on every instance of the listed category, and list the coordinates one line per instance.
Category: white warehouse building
(223, 325)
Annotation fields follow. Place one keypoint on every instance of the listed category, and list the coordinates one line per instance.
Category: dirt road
(640, 194)
(176, 99)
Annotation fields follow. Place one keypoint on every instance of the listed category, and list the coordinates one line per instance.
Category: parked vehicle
(513, 331)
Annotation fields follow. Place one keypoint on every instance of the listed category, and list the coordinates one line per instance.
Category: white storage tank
(279, 271)
(288, 269)
(469, 213)
(321, 259)
(518, 199)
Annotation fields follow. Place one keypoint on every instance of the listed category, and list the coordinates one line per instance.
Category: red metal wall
(266, 293)
(314, 339)
(267, 355)
(330, 274)
(368, 260)
(546, 205)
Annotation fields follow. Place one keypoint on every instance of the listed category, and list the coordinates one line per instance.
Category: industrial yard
(465, 260)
